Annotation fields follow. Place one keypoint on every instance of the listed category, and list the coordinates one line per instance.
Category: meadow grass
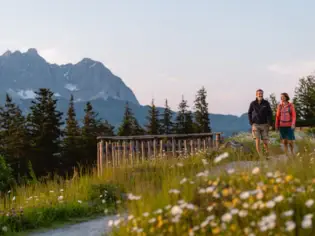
(179, 196)
(187, 197)
(45, 204)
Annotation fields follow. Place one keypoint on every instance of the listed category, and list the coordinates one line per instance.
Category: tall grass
(41, 204)
(188, 197)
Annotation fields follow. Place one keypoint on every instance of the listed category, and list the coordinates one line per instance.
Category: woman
(285, 122)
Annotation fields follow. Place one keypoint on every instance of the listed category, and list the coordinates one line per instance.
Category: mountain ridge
(23, 73)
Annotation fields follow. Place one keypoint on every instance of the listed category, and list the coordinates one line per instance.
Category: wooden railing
(115, 150)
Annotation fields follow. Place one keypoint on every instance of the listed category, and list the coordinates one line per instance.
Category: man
(260, 118)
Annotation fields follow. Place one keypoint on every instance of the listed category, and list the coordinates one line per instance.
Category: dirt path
(96, 227)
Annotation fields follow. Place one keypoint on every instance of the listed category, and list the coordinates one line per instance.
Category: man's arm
(269, 114)
(250, 111)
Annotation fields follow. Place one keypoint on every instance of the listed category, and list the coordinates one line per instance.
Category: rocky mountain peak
(24, 73)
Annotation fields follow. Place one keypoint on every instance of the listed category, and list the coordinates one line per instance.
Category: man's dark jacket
(260, 113)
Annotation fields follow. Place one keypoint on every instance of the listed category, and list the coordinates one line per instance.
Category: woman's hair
(286, 96)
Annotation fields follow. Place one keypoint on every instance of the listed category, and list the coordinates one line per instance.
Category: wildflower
(201, 191)
(133, 197)
(60, 198)
(103, 201)
(203, 174)
(168, 207)
(227, 217)
(278, 198)
(180, 164)
(243, 213)
(158, 211)
(309, 203)
(117, 222)
(210, 189)
(175, 191)
(5, 229)
(183, 181)
(221, 157)
(106, 211)
(230, 171)
(210, 208)
(234, 211)
(269, 175)
(259, 194)
(61, 190)
(79, 201)
(244, 195)
(152, 220)
(288, 213)
(270, 204)
(110, 223)
(306, 223)
(51, 191)
(176, 210)
(255, 171)
(245, 205)
(146, 214)
(13, 199)
(289, 225)
(204, 161)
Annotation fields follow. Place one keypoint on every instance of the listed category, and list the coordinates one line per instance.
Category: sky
(169, 49)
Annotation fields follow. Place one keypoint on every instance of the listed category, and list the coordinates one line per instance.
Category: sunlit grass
(186, 198)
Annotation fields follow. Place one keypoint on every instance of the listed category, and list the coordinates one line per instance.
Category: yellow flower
(216, 230)
(210, 182)
(225, 192)
(251, 200)
(233, 227)
(228, 204)
(235, 201)
(288, 178)
(152, 230)
(170, 229)
(160, 222)
(275, 189)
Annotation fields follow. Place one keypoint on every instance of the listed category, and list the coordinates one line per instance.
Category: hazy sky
(166, 49)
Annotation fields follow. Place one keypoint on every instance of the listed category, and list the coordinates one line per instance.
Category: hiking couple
(260, 119)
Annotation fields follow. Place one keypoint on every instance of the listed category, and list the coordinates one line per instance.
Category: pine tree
(189, 123)
(274, 105)
(129, 125)
(184, 119)
(14, 137)
(72, 140)
(153, 126)
(90, 132)
(44, 123)
(167, 125)
(201, 114)
(305, 98)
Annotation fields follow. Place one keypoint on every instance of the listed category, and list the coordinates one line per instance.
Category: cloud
(294, 69)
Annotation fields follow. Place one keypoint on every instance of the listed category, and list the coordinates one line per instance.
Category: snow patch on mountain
(26, 94)
(71, 87)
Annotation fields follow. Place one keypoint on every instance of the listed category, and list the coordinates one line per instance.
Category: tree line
(41, 142)
(303, 100)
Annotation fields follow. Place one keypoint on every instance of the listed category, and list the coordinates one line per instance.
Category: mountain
(21, 74)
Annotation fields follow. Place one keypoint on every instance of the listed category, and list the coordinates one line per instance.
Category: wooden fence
(115, 150)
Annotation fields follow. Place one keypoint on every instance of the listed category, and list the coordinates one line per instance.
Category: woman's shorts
(287, 133)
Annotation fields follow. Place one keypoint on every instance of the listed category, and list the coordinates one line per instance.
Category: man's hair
(286, 96)
(259, 90)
